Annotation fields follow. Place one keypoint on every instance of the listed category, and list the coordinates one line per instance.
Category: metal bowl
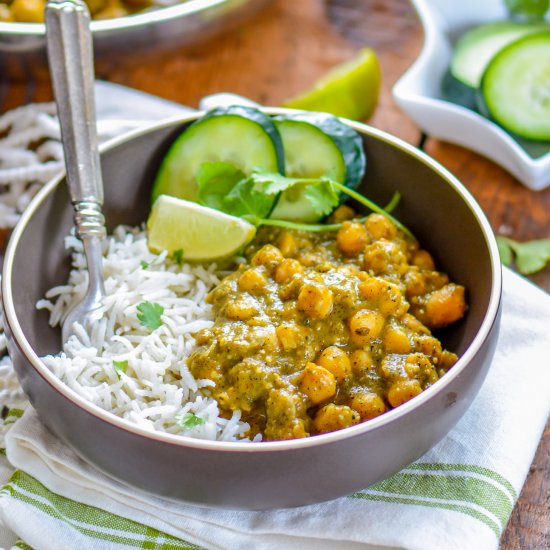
(434, 205)
(23, 45)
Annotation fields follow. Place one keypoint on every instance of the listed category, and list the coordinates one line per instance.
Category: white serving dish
(418, 92)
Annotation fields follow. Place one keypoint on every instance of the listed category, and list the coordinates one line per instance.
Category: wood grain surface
(280, 53)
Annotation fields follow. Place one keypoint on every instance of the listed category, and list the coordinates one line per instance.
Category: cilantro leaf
(215, 180)
(245, 200)
(120, 366)
(189, 420)
(144, 264)
(273, 183)
(224, 187)
(178, 256)
(149, 314)
(505, 251)
(530, 256)
(322, 196)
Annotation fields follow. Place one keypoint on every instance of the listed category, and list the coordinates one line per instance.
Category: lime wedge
(349, 90)
(200, 233)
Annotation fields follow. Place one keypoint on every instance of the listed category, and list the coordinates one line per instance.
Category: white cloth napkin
(459, 495)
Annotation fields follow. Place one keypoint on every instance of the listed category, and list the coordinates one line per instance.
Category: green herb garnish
(225, 188)
(189, 420)
(144, 264)
(178, 256)
(120, 366)
(219, 178)
(149, 314)
(527, 10)
(529, 257)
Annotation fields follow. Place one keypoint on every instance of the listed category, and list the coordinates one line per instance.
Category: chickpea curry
(319, 331)
(32, 11)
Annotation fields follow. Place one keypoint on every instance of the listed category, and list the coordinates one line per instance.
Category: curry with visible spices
(320, 331)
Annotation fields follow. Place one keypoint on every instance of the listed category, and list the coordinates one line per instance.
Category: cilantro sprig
(224, 187)
(149, 314)
(189, 420)
(528, 257)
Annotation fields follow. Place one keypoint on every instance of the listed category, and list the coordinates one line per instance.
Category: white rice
(156, 390)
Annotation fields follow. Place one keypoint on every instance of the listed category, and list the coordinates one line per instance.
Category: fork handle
(70, 56)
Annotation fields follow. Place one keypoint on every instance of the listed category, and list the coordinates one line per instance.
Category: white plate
(418, 92)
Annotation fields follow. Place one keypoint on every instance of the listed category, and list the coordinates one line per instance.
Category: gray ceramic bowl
(434, 205)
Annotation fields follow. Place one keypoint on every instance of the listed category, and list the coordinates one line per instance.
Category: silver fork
(70, 56)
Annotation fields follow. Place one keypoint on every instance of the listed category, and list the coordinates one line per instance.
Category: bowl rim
(490, 317)
(101, 26)
(533, 172)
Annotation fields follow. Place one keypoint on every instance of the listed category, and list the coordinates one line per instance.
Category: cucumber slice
(475, 49)
(516, 87)
(316, 145)
(241, 135)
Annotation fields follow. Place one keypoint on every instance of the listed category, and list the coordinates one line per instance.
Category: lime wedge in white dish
(195, 232)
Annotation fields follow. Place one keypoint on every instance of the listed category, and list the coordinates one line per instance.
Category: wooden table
(280, 53)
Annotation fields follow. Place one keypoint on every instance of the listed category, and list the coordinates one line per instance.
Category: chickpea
(317, 383)
(308, 259)
(445, 306)
(290, 336)
(287, 244)
(403, 390)
(380, 227)
(352, 238)
(367, 404)
(336, 361)
(428, 345)
(447, 359)
(418, 365)
(371, 288)
(413, 324)
(269, 256)
(334, 417)
(396, 341)
(387, 295)
(241, 310)
(423, 260)
(315, 300)
(252, 281)
(383, 256)
(361, 361)
(415, 283)
(365, 326)
(31, 11)
(286, 269)
(341, 214)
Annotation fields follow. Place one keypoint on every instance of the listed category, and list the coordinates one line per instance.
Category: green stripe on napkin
(89, 520)
(478, 492)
